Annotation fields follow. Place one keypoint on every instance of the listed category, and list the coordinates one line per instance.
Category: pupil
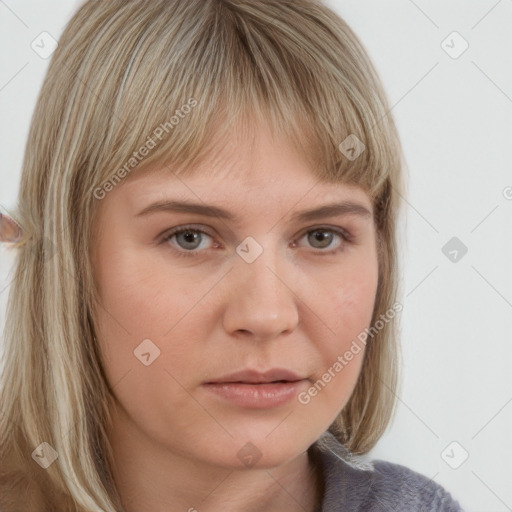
(190, 237)
(323, 237)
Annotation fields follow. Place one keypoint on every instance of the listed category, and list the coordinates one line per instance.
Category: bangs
(181, 91)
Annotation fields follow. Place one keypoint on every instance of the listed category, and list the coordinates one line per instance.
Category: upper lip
(255, 377)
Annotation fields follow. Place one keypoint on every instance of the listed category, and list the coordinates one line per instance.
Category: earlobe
(10, 231)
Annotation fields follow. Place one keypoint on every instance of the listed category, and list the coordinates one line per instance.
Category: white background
(455, 121)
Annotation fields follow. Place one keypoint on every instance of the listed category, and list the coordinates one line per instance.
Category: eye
(187, 238)
(322, 238)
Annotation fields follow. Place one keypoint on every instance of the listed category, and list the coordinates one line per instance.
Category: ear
(10, 231)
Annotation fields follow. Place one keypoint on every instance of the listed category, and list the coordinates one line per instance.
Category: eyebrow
(328, 210)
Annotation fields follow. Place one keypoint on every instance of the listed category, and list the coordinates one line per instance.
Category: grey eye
(320, 238)
(189, 239)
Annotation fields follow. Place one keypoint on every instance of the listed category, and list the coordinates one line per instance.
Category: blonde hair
(121, 71)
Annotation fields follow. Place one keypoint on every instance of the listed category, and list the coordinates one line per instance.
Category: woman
(203, 313)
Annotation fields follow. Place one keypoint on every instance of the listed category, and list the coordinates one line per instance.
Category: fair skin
(175, 443)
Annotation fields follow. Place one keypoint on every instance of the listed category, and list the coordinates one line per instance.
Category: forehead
(258, 167)
(243, 191)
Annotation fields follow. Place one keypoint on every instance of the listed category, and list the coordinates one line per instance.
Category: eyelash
(344, 235)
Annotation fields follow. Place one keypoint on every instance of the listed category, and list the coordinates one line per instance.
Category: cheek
(345, 305)
(138, 304)
(355, 302)
(346, 297)
(138, 293)
(350, 309)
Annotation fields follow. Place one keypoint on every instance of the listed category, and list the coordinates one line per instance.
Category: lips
(249, 376)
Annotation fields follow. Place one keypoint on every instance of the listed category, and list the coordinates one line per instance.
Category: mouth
(255, 383)
(253, 377)
(256, 395)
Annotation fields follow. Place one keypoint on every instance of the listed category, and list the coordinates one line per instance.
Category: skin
(175, 444)
(9, 229)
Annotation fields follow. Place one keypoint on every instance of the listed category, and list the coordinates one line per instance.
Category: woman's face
(263, 286)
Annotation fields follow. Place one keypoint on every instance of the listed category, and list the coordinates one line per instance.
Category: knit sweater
(353, 483)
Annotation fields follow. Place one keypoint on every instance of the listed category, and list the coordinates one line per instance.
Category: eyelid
(190, 227)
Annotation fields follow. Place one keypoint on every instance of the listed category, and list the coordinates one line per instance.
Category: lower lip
(256, 396)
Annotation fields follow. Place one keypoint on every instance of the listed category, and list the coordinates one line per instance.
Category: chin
(257, 451)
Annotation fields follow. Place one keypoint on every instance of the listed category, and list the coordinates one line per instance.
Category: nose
(260, 301)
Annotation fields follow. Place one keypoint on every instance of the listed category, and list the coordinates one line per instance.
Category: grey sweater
(353, 483)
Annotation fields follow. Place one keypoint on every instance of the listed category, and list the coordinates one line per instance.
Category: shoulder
(354, 483)
(398, 486)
